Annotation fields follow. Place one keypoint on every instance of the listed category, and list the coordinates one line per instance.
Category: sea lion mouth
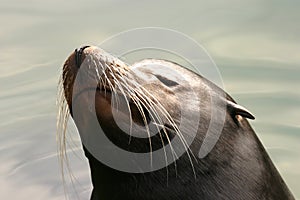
(105, 90)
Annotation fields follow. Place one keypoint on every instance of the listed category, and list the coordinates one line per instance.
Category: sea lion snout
(78, 55)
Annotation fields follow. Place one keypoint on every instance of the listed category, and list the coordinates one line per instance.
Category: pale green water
(256, 45)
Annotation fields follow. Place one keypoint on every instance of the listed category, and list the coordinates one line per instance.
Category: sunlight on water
(255, 45)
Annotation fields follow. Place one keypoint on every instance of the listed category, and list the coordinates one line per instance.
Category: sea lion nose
(78, 54)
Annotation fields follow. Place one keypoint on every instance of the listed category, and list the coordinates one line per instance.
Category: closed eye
(166, 81)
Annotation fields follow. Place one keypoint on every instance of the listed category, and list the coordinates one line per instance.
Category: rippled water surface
(255, 44)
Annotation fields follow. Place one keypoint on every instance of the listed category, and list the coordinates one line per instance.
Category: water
(254, 43)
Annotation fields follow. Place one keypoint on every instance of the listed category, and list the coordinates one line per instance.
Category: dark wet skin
(238, 167)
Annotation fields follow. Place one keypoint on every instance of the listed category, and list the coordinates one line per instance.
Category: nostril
(78, 54)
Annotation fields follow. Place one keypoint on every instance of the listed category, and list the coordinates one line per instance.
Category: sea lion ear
(235, 109)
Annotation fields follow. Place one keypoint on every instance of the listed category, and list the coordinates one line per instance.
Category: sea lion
(141, 96)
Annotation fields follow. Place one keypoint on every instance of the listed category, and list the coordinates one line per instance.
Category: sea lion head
(129, 101)
(147, 106)
(141, 107)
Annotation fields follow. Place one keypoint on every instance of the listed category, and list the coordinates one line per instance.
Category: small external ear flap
(235, 109)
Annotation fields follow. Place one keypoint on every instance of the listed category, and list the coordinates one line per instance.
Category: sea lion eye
(166, 81)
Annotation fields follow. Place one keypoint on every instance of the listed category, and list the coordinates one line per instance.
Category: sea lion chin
(132, 103)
